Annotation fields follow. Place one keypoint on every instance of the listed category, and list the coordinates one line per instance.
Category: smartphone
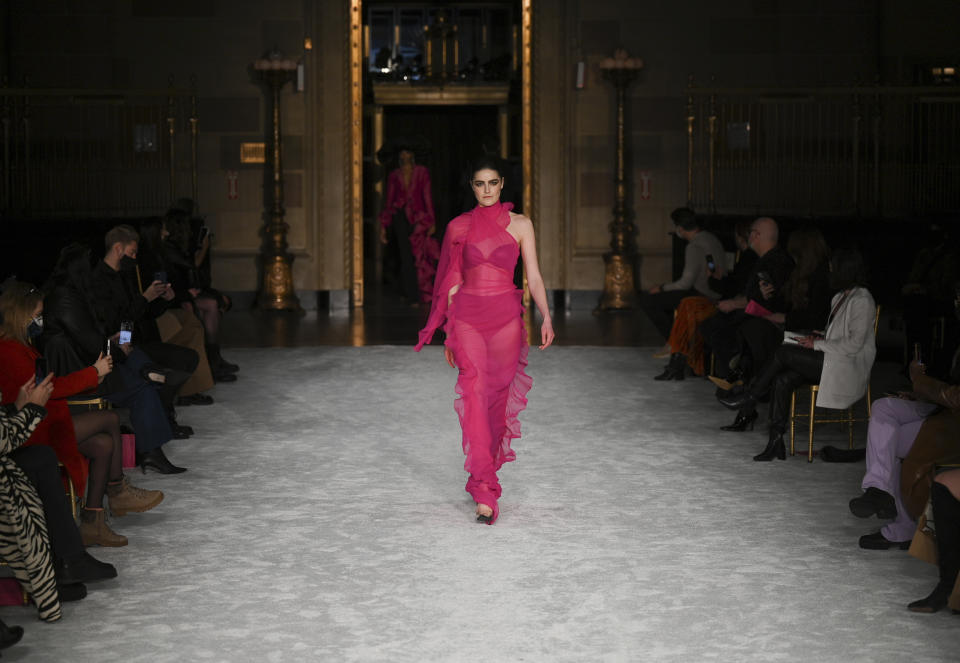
(916, 354)
(126, 332)
(108, 348)
(40, 370)
(764, 276)
(711, 265)
(204, 231)
(160, 276)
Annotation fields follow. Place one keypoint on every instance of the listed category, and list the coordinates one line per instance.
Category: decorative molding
(393, 94)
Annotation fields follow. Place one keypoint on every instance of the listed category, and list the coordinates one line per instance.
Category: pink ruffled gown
(485, 332)
(417, 203)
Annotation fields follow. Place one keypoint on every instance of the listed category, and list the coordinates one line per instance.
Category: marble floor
(323, 518)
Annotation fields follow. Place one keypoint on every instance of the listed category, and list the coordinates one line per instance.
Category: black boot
(946, 516)
(744, 421)
(217, 363)
(9, 635)
(745, 400)
(675, 369)
(157, 460)
(775, 448)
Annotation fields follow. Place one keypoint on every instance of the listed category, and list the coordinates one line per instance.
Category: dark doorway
(451, 136)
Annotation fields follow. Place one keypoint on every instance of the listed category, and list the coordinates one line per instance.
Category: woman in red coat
(93, 435)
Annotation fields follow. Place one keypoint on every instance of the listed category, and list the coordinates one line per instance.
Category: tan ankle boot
(124, 496)
(94, 530)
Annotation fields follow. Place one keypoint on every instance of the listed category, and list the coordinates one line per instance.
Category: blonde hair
(17, 304)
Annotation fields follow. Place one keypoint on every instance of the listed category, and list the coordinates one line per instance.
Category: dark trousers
(761, 338)
(720, 333)
(660, 307)
(39, 463)
(147, 413)
(790, 367)
(183, 361)
(408, 268)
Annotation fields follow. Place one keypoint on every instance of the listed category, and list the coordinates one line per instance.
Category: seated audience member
(927, 295)
(839, 362)
(118, 299)
(177, 325)
(945, 498)
(72, 339)
(95, 434)
(807, 294)
(762, 295)
(40, 537)
(72, 565)
(685, 345)
(660, 301)
(208, 304)
(896, 424)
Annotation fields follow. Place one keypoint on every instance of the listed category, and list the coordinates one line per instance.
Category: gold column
(503, 126)
(355, 208)
(691, 118)
(619, 291)
(171, 138)
(194, 139)
(378, 193)
(276, 290)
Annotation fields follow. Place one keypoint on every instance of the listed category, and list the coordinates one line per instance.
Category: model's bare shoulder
(521, 222)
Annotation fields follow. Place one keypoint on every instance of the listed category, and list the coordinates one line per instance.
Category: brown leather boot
(124, 496)
(94, 530)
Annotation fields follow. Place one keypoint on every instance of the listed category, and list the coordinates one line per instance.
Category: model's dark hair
(847, 269)
(484, 162)
(809, 251)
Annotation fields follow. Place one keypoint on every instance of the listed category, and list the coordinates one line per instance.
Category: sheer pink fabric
(485, 332)
(417, 204)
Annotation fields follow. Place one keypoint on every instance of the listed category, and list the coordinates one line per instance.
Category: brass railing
(82, 153)
(870, 151)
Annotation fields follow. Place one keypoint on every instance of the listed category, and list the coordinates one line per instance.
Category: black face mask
(35, 328)
(127, 264)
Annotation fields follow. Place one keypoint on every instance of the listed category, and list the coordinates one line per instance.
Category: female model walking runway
(474, 293)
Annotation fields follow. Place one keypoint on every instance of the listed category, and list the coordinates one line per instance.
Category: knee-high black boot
(946, 518)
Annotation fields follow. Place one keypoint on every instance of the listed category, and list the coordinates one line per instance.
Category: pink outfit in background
(417, 203)
(485, 332)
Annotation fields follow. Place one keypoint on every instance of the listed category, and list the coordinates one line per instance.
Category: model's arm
(528, 250)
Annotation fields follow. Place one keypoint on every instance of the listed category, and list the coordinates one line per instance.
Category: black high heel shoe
(775, 449)
(742, 422)
(157, 460)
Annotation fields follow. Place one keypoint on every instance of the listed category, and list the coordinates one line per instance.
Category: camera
(160, 276)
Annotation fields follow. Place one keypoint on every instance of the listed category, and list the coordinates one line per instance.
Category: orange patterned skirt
(684, 337)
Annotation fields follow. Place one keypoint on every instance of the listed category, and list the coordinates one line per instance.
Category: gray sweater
(695, 274)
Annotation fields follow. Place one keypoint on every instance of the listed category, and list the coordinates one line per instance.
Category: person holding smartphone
(660, 301)
(93, 435)
(840, 362)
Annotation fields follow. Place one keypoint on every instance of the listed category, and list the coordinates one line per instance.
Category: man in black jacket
(763, 291)
(118, 300)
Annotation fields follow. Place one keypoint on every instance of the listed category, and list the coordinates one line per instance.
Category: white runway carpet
(324, 519)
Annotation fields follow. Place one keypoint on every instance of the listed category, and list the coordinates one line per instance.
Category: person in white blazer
(839, 360)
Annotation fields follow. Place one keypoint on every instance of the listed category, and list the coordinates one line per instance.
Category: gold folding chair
(846, 416)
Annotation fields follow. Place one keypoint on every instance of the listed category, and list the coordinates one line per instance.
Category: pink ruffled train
(484, 328)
